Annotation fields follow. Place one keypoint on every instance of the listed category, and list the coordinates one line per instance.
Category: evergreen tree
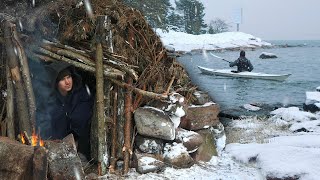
(193, 13)
(156, 12)
(176, 22)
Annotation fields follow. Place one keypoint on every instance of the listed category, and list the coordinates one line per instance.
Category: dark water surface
(302, 62)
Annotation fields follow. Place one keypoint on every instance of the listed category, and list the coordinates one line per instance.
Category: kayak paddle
(219, 57)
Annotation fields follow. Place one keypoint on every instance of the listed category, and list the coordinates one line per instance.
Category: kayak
(252, 75)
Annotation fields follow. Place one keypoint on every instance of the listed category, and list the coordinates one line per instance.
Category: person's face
(65, 85)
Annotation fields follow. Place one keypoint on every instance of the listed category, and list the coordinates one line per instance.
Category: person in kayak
(242, 63)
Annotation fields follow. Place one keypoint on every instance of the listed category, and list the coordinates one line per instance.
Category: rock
(251, 107)
(200, 117)
(145, 163)
(241, 112)
(153, 122)
(219, 136)
(265, 55)
(311, 107)
(190, 139)
(207, 149)
(312, 102)
(64, 162)
(201, 98)
(177, 155)
(149, 145)
(175, 106)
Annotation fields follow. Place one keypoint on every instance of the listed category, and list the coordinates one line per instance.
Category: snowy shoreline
(183, 42)
(285, 145)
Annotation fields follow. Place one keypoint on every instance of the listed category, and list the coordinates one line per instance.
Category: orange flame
(22, 138)
(41, 142)
(34, 139)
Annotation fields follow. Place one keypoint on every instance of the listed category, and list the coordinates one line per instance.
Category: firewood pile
(102, 38)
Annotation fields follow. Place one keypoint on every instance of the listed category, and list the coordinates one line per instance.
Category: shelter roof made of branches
(69, 22)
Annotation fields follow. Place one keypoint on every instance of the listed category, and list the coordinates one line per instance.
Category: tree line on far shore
(184, 16)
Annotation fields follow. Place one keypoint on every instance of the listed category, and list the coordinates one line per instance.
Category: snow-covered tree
(218, 26)
(193, 13)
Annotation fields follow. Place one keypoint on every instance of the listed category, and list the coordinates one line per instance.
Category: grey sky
(270, 19)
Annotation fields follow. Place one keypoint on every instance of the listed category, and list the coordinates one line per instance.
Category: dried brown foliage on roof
(68, 22)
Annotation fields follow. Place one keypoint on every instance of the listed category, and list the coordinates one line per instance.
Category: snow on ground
(187, 42)
(285, 145)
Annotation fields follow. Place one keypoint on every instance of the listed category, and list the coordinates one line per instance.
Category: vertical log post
(10, 107)
(26, 78)
(21, 101)
(128, 117)
(102, 144)
(114, 145)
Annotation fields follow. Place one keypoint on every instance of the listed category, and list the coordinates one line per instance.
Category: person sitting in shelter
(242, 63)
(72, 105)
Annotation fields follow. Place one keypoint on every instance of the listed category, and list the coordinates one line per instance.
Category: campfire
(34, 140)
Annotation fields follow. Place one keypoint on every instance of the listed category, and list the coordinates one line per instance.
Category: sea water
(302, 61)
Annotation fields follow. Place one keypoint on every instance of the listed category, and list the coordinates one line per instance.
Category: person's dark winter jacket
(243, 64)
(71, 113)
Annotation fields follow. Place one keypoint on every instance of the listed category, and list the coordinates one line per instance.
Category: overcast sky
(270, 19)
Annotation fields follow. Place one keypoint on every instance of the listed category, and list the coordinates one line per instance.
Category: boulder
(149, 145)
(200, 117)
(201, 98)
(312, 103)
(208, 148)
(177, 155)
(64, 162)
(190, 139)
(265, 55)
(145, 163)
(153, 122)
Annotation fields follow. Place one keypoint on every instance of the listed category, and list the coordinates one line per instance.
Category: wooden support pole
(10, 107)
(102, 143)
(128, 118)
(21, 101)
(127, 128)
(114, 144)
(26, 78)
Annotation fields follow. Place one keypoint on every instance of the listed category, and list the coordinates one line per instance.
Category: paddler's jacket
(243, 64)
(71, 113)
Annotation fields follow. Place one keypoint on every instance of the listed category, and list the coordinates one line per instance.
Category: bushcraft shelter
(112, 46)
